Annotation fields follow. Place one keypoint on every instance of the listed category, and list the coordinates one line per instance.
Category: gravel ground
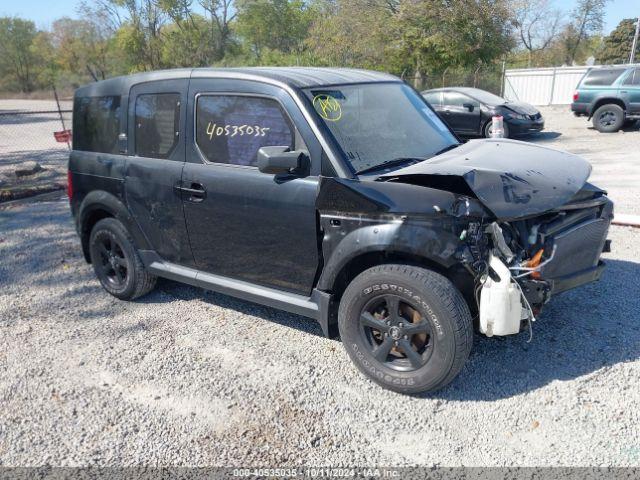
(188, 377)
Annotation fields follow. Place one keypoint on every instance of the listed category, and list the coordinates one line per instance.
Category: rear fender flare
(599, 101)
(99, 202)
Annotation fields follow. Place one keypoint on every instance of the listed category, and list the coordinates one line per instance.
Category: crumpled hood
(512, 179)
(521, 107)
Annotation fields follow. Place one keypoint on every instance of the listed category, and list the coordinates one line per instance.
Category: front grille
(577, 249)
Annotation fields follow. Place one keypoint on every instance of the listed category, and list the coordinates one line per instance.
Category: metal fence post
(55, 94)
(502, 80)
(553, 86)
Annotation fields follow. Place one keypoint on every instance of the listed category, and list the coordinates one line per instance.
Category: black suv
(334, 194)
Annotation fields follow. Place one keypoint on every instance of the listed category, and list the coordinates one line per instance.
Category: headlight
(517, 116)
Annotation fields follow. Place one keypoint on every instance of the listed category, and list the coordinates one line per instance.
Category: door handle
(195, 191)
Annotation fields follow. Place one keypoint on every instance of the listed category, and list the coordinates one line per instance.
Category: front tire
(608, 118)
(116, 261)
(406, 328)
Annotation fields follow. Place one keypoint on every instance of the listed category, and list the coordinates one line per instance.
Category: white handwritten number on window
(233, 130)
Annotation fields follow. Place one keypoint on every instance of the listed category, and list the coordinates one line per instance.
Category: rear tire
(116, 261)
(406, 328)
(608, 118)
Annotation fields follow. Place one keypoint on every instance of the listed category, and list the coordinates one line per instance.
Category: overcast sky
(43, 12)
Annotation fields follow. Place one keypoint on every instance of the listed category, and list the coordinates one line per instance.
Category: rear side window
(157, 124)
(633, 78)
(433, 98)
(456, 99)
(231, 129)
(602, 77)
(96, 124)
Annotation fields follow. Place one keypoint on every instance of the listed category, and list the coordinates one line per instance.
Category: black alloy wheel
(405, 327)
(113, 266)
(116, 261)
(398, 335)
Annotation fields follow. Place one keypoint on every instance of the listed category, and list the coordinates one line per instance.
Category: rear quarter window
(157, 124)
(633, 78)
(602, 77)
(96, 124)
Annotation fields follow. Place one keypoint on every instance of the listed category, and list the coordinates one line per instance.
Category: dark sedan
(468, 111)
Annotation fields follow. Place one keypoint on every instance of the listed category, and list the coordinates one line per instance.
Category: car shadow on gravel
(594, 327)
(168, 291)
(574, 337)
(541, 137)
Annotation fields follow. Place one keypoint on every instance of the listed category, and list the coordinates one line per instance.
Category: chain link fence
(32, 160)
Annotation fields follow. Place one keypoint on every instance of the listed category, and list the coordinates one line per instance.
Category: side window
(231, 128)
(456, 99)
(602, 77)
(433, 98)
(157, 124)
(633, 78)
(96, 124)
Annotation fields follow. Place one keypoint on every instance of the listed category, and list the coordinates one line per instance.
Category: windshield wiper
(390, 163)
(445, 149)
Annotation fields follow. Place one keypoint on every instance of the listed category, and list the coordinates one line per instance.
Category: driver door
(244, 224)
(461, 112)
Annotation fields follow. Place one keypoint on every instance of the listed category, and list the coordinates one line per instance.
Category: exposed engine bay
(518, 265)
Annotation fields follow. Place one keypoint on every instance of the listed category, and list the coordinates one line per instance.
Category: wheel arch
(599, 102)
(336, 281)
(100, 204)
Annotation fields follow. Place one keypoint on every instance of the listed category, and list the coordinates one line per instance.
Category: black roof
(296, 77)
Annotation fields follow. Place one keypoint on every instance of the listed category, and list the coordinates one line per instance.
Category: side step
(316, 306)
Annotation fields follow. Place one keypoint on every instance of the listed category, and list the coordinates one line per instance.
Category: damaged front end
(521, 222)
(519, 264)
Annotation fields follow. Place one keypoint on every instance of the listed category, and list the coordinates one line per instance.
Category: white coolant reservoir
(500, 307)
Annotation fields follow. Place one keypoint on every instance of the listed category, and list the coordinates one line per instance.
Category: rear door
(156, 144)
(242, 223)
(461, 112)
(630, 91)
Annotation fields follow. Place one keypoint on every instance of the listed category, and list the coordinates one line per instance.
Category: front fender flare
(431, 239)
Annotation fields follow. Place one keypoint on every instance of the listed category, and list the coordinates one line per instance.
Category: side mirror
(276, 160)
(469, 106)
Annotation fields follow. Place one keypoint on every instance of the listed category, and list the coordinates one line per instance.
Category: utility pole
(632, 57)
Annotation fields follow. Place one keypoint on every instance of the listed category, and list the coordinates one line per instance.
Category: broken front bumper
(577, 250)
(577, 255)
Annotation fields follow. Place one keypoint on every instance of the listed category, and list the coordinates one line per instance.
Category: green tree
(135, 27)
(588, 20)
(438, 35)
(18, 62)
(537, 25)
(354, 33)
(280, 25)
(617, 45)
(221, 14)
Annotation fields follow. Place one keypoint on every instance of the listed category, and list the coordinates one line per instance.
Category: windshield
(484, 96)
(380, 122)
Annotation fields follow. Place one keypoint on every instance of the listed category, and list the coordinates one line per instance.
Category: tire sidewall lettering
(424, 306)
